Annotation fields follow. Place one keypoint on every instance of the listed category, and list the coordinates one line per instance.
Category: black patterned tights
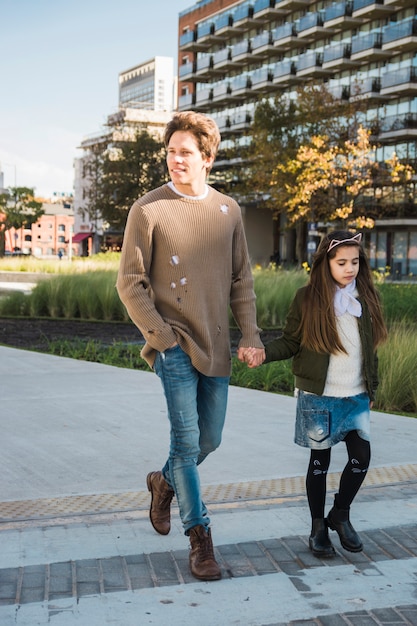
(353, 475)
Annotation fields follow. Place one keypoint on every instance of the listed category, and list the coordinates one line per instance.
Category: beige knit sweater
(184, 261)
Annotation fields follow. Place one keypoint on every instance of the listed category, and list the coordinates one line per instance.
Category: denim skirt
(323, 421)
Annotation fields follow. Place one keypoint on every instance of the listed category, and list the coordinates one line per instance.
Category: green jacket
(310, 368)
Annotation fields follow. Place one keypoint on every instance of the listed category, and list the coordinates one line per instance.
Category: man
(184, 262)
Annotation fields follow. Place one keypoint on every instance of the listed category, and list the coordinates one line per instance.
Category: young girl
(333, 328)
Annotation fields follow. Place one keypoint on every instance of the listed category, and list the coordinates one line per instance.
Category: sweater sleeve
(133, 283)
(288, 344)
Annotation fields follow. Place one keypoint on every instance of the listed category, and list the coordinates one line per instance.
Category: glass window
(399, 254)
(381, 252)
(412, 254)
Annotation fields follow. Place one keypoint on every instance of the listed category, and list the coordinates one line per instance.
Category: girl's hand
(253, 356)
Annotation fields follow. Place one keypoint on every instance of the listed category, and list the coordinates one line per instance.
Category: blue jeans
(196, 410)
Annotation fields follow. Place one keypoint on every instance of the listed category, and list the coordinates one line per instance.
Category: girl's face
(344, 266)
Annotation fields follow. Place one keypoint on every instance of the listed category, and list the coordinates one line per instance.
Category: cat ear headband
(337, 242)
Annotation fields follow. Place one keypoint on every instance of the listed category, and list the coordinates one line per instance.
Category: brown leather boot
(162, 494)
(202, 562)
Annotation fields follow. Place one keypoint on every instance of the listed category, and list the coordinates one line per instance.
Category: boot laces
(205, 548)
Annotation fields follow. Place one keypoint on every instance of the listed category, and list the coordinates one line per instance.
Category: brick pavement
(289, 555)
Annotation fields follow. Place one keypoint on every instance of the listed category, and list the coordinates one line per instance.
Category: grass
(105, 261)
(88, 292)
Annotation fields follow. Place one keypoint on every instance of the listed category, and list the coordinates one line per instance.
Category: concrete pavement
(76, 545)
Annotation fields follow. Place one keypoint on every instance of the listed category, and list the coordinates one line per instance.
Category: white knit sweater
(344, 376)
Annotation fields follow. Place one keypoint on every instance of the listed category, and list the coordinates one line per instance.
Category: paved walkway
(76, 545)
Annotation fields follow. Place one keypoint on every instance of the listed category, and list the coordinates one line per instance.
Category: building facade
(149, 86)
(232, 54)
(49, 237)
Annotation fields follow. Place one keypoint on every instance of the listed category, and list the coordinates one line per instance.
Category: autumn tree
(18, 210)
(281, 125)
(327, 182)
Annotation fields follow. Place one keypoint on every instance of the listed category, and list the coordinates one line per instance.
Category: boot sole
(209, 578)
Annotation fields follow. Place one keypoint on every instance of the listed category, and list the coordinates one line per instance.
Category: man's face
(187, 166)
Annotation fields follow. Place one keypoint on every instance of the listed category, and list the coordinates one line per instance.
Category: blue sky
(59, 68)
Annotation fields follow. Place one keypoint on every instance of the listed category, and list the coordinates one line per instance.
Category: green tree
(18, 209)
(126, 169)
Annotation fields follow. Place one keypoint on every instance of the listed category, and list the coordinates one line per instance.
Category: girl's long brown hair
(318, 321)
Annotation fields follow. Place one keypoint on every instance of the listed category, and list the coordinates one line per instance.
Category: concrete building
(149, 86)
(234, 53)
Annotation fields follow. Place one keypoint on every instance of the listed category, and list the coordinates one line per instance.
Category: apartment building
(232, 54)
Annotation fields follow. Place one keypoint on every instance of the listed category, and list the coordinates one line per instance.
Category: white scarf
(345, 301)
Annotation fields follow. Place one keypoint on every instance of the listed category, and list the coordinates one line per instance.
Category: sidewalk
(76, 545)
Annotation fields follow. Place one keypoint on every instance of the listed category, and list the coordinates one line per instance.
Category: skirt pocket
(316, 424)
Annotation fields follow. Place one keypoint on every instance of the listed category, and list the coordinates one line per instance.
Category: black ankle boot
(319, 542)
(338, 520)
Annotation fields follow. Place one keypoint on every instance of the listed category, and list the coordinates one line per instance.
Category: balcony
(206, 34)
(310, 26)
(222, 93)
(285, 73)
(223, 123)
(366, 89)
(203, 98)
(402, 35)
(398, 127)
(203, 67)
(240, 121)
(339, 16)
(186, 101)
(285, 37)
(186, 72)
(337, 57)
(263, 46)
(368, 48)
(222, 60)
(224, 25)
(370, 9)
(262, 79)
(242, 18)
(341, 92)
(241, 87)
(266, 10)
(400, 82)
(310, 65)
(188, 42)
(242, 52)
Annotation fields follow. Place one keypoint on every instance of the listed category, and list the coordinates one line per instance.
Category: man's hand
(253, 357)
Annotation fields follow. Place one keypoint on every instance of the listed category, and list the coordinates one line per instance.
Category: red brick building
(48, 237)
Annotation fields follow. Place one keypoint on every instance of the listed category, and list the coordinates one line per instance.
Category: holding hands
(253, 357)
